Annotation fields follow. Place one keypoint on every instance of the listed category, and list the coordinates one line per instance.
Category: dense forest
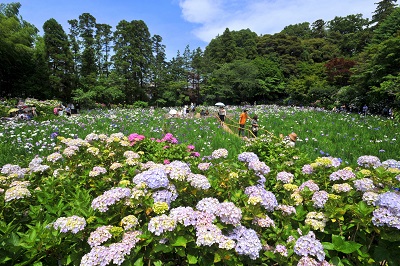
(348, 60)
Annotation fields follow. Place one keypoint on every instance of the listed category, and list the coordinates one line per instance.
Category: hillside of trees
(348, 60)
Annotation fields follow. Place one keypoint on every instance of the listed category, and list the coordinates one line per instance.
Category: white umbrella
(219, 104)
(173, 112)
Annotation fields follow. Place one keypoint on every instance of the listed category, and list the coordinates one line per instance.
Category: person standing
(222, 114)
(254, 125)
(242, 122)
(365, 109)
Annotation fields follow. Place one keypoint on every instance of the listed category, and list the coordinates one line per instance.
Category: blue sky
(194, 22)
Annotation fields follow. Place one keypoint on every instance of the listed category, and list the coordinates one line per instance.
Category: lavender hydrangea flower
(198, 181)
(115, 253)
(207, 235)
(161, 224)
(183, 215)
(100, 235)
(177, 170)
(286, 209)
(285, 177)
(109, 198)
(268, 199)
(370, 197)
(204, 166)
(364, 184)
(209, 205)
(163, 196)
(282, 250)
(259, 167)
(72, 224)
(390, 200)
(54, 157)
(247, 157)
(229, 213)
(97, 170)
(343, 174)
(307, 169)
(391, 163)
(264, 222)
(320, 198)
(153, 178)
(248, 242)
(369, 161)
(220, 153)
(16, 192)
(385, 216)
(310, 184)
(308, 245)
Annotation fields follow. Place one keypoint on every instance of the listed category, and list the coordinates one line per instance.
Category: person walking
(254, 125)
(222, 114)
(242, 122)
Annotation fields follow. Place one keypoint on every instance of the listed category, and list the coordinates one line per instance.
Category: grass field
(321, 133)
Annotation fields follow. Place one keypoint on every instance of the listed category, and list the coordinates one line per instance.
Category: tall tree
(103, 40)
(133, 54)
(16, 51)
(318, 29)
(87, 24)
(59, 58)
(383, 10)
(157, 73)
(300, 30)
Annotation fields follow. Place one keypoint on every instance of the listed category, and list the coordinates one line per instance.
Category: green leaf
(180, 242)
(158, 263)
(192, 259)
(163, 248)
(328, 246)
(346, 247)
(139, 262)
(217, 258)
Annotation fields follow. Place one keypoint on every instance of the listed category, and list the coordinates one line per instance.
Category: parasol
(219, 104)
(173, 112)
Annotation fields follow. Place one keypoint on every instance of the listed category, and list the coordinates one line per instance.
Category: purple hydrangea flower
(259, 167)
(153, 178)
(72, 224)
(342, 174)
(220, 153)
(183, 215)
(100, 235)
(247, 157)
(209, 205)
(268, 199)
(320, 198)
(369, 161)
(248, 242)
(364, 184)
(285, 177)
(229, 213)
(198, 181)
(204, 166)
(307, 169)
(161, 224)
(310, 184)
(308, 245)
(282, 250)
(109, 198)
(390, 200)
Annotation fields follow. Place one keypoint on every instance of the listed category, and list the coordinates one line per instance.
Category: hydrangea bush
(131, 200)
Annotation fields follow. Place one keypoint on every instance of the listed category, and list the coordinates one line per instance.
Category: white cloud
(265, 16)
